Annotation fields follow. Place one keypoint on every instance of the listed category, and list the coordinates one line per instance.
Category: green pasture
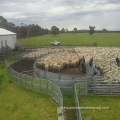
(111, 112)
(78, 39)
(18, 103)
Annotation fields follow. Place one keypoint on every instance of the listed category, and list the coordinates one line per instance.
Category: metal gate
(82, 87)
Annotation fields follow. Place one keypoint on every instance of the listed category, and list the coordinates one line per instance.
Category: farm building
(7, 38)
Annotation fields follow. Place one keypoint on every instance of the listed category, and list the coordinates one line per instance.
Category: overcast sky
(63, 13)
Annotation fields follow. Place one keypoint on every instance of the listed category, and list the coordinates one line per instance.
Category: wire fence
(33, 83)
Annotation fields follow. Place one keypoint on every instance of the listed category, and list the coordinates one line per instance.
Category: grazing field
(113, 102)
(17, 103)
(81, 39)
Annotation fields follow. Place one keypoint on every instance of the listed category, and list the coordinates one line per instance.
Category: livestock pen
(52, 83)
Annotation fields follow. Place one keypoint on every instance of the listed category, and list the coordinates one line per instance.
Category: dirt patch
(23, 65)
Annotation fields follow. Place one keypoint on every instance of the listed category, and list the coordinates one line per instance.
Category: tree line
(24, 30)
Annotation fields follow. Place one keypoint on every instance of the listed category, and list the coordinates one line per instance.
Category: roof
(6, 32)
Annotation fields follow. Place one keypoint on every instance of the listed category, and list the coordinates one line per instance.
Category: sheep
(40, 64)
(57, 67)
(46, 67)
(72, 63)
(104, 58)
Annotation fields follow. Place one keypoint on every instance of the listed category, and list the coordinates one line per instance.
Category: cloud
(62, 13)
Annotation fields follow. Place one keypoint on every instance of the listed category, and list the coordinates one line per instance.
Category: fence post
(59, 98)
(25, 81)
(31, 83)
(40, 85)
(47, 86)
(79, 89)
(95, 86)
(52, 89)
(84, 88)
(39, 73)
(87, 86)
(111, 88)
(45, 74)
(20, 80)
(59, 75)
(13, 75)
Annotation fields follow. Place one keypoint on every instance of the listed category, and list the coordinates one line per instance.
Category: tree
(63, 30)
(104, 30)
(75, 30)
(11, 24)
(3, 19)
(54, 30)
(92, 28)
(23, 30)
(66, 30)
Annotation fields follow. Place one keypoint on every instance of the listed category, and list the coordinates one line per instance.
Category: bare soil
(23, 65)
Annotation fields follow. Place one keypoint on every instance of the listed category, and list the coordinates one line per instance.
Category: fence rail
(98, 86)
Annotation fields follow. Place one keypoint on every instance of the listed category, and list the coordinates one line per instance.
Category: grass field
(69, 101)
(17, 103)
(102, 39)
(112, 102)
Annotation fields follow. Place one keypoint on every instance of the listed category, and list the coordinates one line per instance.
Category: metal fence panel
(50, 75)
(37, 84)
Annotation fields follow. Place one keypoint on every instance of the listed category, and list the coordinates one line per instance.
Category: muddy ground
(23, 65)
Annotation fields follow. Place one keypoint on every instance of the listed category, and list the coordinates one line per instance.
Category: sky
(63, 13)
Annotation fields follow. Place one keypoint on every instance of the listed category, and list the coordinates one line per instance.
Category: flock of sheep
(42, 51)
(56, 62)
(104, 59)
